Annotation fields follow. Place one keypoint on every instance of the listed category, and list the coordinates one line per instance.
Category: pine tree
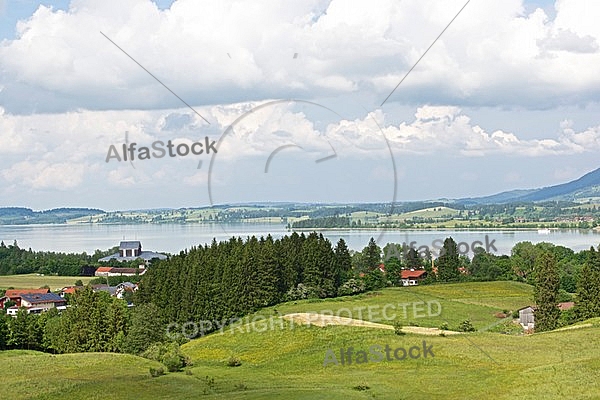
(546, 292)
(268, 269)
(448, 262)
(588, 288)
(328, 267)
(311, 272)
(372, 255)
(342, 264)
(288, 252)
(413, 259)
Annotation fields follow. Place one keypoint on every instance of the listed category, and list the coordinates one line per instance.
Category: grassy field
(288, 361)
(34, 281)
(452, 303)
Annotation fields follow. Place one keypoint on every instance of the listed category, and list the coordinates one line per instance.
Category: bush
(300, 292)
(350, 287)
(398, 328)
(466, 326)
(567, 317)
(156, 372)
(564, 296)
(444, 327)
(234, 362)
(167, 353)
(515, 314)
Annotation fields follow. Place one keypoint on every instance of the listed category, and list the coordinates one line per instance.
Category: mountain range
(580, 190)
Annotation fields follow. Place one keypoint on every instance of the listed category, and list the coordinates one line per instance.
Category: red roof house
(15, 295)
(411, 277)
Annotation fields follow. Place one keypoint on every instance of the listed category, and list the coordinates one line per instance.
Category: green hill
(288, 361)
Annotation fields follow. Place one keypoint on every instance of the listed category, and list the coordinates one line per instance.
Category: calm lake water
(173, 238)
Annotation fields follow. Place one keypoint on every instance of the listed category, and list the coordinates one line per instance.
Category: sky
(335, 101)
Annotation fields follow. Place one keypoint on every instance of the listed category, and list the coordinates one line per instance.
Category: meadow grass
(477, 301)
(288, 362)
(34, 281)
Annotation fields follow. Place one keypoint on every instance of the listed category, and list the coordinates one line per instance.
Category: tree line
(16, 260)
(230, 279)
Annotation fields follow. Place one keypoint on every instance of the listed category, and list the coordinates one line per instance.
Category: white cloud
(231, 51)
(60, 150)
(43, 175)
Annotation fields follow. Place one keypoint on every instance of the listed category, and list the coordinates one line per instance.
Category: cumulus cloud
(69, 150)
(566, 40)
(44, 175)
(227, 51)
(439, 128)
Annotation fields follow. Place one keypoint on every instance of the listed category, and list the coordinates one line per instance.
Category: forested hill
(587, 186)
(23, 216)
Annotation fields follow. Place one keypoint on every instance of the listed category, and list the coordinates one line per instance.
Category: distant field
(287, 362)
(34, 281)
(433, 212)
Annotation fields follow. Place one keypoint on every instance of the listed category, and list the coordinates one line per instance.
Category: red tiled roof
(104, 269)
(71, 289)
(406, 274)
(566, 305)
(125, 270)
(19, 292)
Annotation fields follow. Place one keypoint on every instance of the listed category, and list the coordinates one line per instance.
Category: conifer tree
(372, 255)
(588, 288)
(413, 259)
(546, 292)
(448, 262)
(342, 263)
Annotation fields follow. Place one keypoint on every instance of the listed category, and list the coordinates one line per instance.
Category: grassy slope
(477, 301)
(288, 362)
(35, 281)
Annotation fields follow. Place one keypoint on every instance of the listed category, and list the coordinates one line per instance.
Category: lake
(173, 238)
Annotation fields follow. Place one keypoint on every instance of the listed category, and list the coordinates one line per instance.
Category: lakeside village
(36, 301)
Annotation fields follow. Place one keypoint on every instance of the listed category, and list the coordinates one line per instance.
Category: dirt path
(324, 320)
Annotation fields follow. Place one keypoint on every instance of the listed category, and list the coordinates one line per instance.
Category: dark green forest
(236, 277)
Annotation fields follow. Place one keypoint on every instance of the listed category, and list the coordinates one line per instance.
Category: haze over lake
(173, 238)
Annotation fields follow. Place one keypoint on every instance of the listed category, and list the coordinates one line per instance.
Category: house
(69, 290)
(132, 250)
(527, 314)
(526, 318)
(411, 277)
(15, 295)
(44, 301)
(112, 290)
(124, 287)
(36, 303)
(115, 271)
(567, 305)
(102, 271)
